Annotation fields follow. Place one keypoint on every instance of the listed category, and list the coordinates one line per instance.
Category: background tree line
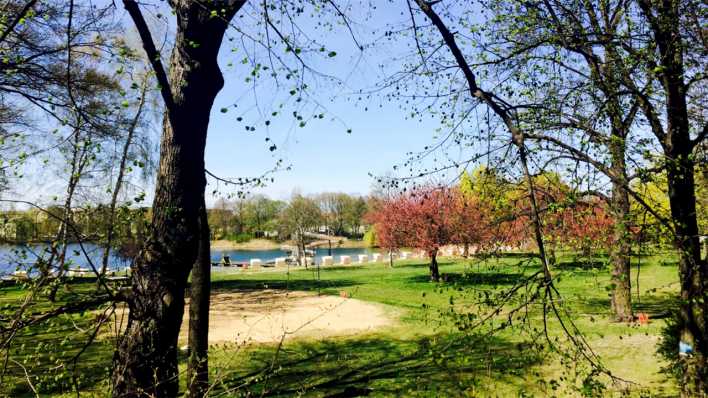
(256, 216)
(241, 219)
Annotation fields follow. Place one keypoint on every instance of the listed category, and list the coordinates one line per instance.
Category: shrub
(370, 238)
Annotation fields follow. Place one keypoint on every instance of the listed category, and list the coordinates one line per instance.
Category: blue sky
(323, 156)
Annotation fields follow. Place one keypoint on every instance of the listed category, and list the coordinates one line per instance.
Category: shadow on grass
(668, 262)
(517, 255)
(581, 264)
(473, 278)
(293, 284)
(657, 306)
(453, 365)
(419, 264)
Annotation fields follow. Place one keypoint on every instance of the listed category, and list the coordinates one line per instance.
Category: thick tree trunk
(200, 289)
(620, 251)
(621, 301)
(664, 18)
(692, 270)
(145, 362)
(434, 272)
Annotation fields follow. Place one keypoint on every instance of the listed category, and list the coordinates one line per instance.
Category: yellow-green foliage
(370, 238)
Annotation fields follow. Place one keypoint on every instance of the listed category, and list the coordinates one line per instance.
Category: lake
(14, 257)
(271, 255)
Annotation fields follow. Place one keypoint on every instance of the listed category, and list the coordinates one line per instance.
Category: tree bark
(693, 274)
(620, 251)
(199, 299)
(145, 362)
(693, 271)
(621, 119)
(664, 20)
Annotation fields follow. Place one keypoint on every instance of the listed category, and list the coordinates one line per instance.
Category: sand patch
(268, 315)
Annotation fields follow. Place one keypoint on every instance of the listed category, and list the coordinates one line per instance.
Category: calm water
(17, 257)
(271, 255)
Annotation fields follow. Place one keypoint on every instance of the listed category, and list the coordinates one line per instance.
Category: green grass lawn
(432, 350)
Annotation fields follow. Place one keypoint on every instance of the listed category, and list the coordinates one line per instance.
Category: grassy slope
(424, 354)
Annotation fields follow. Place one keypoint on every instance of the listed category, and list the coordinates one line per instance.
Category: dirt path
(268, 315)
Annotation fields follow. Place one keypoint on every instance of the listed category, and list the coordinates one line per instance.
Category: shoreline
(253, 244)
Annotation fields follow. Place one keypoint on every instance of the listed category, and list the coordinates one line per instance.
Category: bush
(239, 238)
(370, 238)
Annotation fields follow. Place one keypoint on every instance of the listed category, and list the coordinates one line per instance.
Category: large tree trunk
(620, 250)
(692, 270)
(145, 363)
(664, 19)
(200, 289)
(693, 274)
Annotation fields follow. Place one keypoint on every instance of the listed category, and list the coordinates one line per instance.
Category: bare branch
(151, 51)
